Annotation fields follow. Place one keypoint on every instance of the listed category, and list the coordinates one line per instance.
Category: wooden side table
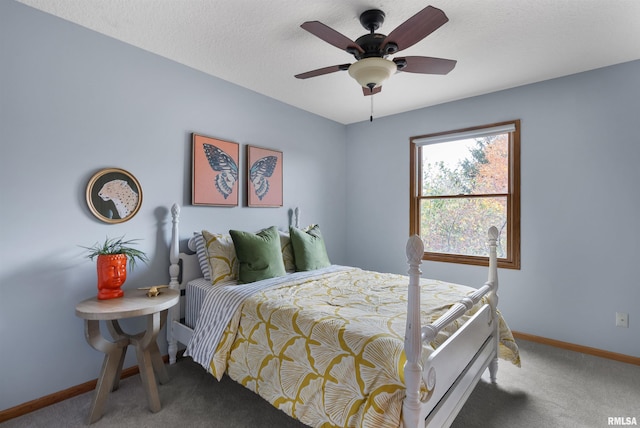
(135, 303)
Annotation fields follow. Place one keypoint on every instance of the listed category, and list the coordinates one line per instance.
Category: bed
(342, 346)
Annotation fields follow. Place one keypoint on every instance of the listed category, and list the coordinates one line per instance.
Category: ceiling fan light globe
(374, 71)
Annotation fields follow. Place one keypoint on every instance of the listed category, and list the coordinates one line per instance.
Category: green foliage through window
(464, 186)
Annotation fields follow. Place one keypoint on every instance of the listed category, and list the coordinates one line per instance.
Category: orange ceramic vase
(112, 273)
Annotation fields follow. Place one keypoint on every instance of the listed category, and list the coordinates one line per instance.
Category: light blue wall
(580, 202)
(73, 102)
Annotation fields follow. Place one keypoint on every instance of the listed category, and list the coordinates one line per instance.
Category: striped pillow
(201, 252)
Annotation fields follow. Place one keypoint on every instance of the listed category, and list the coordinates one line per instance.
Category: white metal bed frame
(451, 371)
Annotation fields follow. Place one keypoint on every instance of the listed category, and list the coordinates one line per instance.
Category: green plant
(112, 246)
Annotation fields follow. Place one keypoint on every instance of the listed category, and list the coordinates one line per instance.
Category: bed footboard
(451, 371)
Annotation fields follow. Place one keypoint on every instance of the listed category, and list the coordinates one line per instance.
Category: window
(461, 183)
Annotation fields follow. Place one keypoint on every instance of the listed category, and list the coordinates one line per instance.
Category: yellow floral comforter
(329, 350)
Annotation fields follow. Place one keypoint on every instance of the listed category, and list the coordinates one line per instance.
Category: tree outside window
(462, 183)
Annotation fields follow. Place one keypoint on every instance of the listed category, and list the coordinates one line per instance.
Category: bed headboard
(185, 267)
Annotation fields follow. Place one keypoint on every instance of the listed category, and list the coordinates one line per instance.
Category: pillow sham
(201, 253)
(221, 257)
(259, 254)
(309, 251)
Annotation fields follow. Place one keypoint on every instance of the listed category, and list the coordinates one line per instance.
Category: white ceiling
(259, 45)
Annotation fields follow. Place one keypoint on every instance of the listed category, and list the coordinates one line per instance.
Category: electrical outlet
(622, 320)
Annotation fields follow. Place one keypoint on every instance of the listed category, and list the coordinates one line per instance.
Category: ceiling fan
(372, 67)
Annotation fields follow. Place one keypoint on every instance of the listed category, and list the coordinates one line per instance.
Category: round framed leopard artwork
(114, 195)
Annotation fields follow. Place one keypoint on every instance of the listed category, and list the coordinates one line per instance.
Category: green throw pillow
(258, 254)
(309, 252)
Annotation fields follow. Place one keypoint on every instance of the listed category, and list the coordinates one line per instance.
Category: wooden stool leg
(118, 375)
(158, 364)
(116, 332)
(148, 379)
(146, 350)
(111, 366)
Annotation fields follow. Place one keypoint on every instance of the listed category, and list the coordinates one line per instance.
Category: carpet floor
(554, 388)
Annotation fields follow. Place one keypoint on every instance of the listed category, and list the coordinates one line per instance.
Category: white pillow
(287, 251)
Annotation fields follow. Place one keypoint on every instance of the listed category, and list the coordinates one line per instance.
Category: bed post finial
(174, 271)
(415, 251)
(413, 335)
(175, 211)
(296, 218)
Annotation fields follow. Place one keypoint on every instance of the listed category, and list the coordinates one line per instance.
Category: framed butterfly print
(264, 177)
(214, 174)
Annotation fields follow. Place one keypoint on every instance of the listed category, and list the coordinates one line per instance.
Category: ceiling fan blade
(426, 65)
(416, 28)
(367, 91)
(331, 36)
(324, 70)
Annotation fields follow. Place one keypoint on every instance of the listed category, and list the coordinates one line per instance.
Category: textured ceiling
(259, 45)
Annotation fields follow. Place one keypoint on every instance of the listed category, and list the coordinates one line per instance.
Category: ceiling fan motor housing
(372, 43)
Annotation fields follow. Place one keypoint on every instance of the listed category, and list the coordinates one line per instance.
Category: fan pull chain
(371, 116)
